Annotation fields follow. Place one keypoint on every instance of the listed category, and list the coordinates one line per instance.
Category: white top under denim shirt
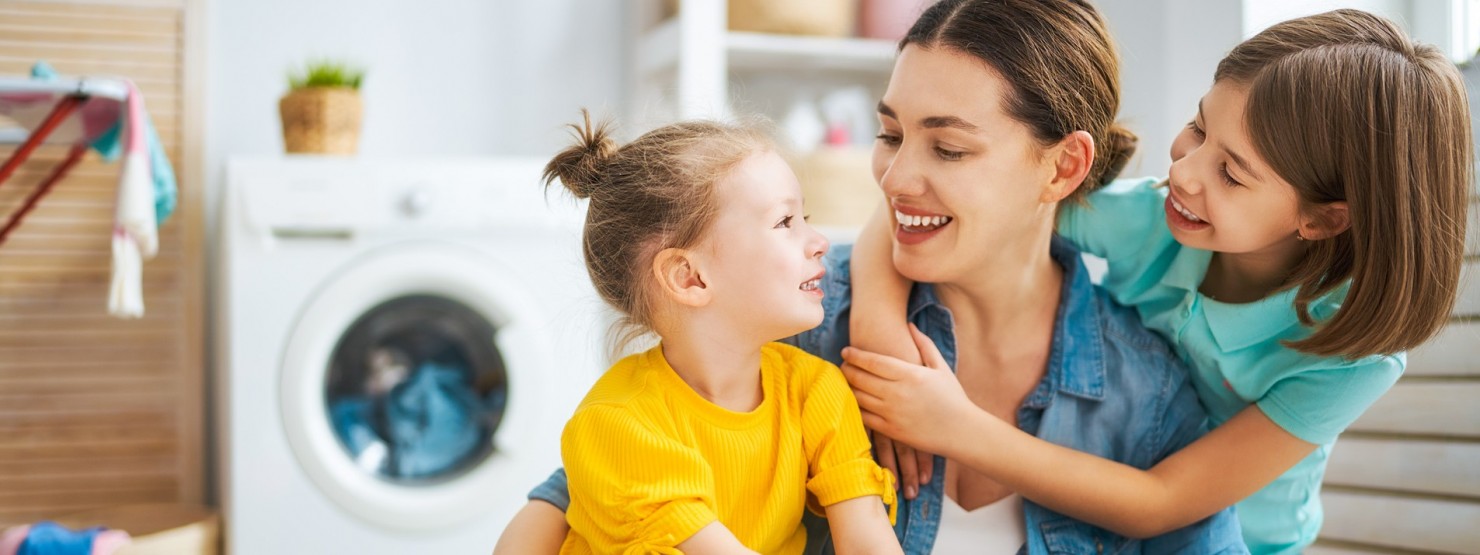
(1112, 389)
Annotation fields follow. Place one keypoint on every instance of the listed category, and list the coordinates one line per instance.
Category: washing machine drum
(416, 389)
(410, 388)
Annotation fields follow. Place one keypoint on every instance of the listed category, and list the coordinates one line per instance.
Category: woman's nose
(900, 178)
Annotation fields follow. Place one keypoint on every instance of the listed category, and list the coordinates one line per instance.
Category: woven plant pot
(830, 18)
(321, 120)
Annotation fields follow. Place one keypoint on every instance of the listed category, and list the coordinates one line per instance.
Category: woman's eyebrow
(933, 122)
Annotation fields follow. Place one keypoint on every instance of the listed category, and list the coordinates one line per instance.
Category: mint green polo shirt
(1234, 351)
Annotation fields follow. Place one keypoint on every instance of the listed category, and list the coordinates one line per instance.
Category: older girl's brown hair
(1345, 107)
(1058, 60)
(654, 193)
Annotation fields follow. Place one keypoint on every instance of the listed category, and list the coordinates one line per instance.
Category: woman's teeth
(811, 285)
(921, 221)
(1184, 211)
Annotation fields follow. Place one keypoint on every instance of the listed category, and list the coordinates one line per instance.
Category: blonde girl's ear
(678, 276)
(1074, 156)
(1325, 221)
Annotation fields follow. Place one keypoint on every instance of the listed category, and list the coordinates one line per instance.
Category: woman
(993, 116)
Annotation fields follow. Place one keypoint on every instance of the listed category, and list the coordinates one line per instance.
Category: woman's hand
(912, 403)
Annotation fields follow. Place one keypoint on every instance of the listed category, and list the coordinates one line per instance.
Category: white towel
(135, 237)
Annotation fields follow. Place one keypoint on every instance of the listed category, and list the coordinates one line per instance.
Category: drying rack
(74, 112)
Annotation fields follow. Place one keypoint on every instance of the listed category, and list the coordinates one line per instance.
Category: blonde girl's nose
(819, 244)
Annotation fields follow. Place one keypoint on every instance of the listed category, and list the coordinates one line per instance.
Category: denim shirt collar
(1076, 366)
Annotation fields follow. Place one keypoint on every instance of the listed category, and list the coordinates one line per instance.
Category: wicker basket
(831, 18)
(321, 120)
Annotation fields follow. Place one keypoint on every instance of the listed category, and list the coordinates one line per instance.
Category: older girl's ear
(1073, 157)
(1325, 221)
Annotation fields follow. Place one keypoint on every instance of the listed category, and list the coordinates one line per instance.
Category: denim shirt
(1112, 389)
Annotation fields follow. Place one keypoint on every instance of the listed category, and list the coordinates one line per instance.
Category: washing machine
(399, 346)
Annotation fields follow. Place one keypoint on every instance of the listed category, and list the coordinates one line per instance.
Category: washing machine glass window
(416, 389)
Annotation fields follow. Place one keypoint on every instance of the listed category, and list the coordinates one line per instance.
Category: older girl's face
(965, 181)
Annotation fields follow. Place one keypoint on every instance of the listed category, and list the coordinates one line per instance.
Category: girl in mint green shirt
(1310, 232)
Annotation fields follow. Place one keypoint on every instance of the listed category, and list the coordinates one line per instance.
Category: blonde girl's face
(1224, 198)
(763, 261)
(964, 180)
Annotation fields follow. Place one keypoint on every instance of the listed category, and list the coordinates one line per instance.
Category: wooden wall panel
(96, 411)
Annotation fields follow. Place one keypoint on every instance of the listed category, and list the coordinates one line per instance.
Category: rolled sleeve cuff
(850, 480)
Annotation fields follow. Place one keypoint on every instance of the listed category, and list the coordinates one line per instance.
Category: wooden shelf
(660, 48)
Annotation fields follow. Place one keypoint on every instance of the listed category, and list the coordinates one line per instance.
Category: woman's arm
(538, 529)
(860, 525)
(714, 539)
(878, 324)
(1232, 462)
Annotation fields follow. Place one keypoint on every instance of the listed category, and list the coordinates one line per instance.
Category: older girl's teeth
(810, 285)
(1184, 212)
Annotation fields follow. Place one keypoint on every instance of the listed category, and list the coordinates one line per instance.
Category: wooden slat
(1468, 303)
(1435, 525)
(51, 19)
(1454, 352)
(124, 9)
(1413, 466)
(1430, 408)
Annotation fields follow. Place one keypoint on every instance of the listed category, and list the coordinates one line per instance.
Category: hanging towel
(135, 221)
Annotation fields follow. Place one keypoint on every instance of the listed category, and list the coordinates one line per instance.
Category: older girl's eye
(888, 140)
(1227, 178)
(785, 222)
(1196, 129)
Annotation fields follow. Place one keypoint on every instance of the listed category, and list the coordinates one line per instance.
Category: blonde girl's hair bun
(581, 166)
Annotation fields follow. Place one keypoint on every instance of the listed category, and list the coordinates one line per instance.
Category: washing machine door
(409, 383)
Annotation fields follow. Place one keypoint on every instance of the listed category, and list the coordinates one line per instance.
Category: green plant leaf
(326, 73)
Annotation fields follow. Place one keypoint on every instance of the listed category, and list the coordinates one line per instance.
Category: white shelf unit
(691, 65)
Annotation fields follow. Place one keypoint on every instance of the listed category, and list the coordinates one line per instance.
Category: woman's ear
(1073, 158)
(677, 273)
(1325, 221)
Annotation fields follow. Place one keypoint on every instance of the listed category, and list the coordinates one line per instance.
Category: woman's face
(965, 181)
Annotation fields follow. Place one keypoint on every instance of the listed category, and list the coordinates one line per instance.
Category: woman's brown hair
(1346, 108)
(654, 193)
(1057, 58)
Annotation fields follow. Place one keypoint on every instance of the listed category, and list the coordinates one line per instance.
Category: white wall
(1168, 50)
(445, 77)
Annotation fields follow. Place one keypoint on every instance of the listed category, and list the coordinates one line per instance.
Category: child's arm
(1230, 463)
(860, 525)
(878, 324)
(714, 539)
(538, 529)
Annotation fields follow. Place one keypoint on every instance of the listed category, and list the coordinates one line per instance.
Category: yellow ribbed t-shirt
(650, 462)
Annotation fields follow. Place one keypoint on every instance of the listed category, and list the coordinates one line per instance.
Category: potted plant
(321, 112)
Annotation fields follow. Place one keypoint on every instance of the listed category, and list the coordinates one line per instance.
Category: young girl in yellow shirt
(718, 439)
